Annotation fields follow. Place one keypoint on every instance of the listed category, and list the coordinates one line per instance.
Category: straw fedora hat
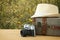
(46, 10)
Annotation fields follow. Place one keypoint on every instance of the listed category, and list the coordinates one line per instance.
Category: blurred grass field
(15, 13)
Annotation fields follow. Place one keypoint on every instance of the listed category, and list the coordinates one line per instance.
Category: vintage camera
(28, 30)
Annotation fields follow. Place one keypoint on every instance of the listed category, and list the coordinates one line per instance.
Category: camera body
(28, 30)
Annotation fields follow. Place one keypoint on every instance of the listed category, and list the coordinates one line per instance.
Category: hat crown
(45, 9)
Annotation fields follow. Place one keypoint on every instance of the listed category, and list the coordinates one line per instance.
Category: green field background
(15, 13)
